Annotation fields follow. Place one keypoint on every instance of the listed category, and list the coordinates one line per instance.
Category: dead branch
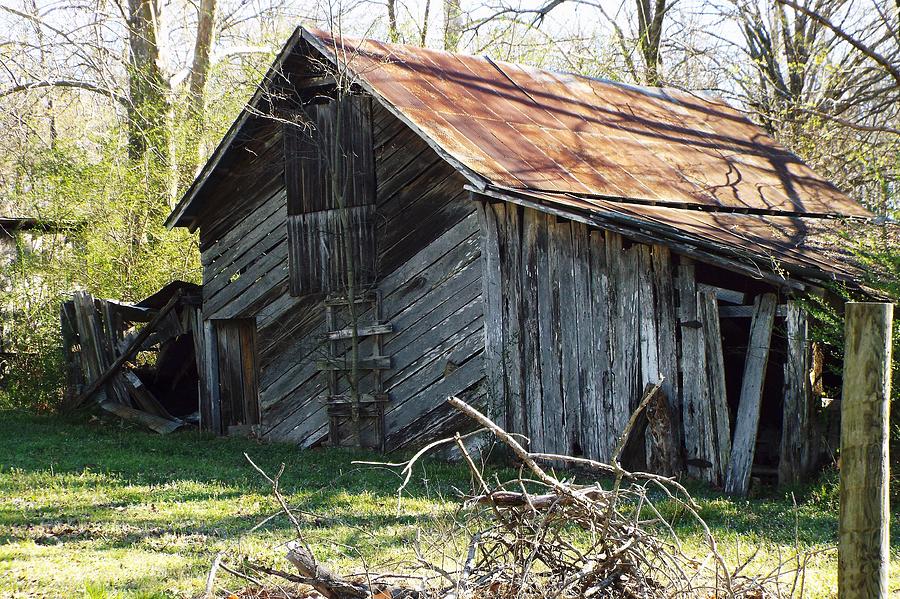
(321, 578)
(538, 535)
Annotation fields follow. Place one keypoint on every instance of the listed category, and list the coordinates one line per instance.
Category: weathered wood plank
(667, 323)
(516, 419)
(798, 445)
(531, 355)
(718, 422)
(604, 250)
(648, 334)
(373, 363)
(552, 408)
(562, 274)
(492, 298)
(249, 372)
(729, 296)
(361, 331)
(746, 311)
(743, 447)
(694, 408)
(624, 331)
(156, 423)
(211, 364)
(589, 438)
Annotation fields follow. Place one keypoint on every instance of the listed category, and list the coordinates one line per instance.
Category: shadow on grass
(104, 469)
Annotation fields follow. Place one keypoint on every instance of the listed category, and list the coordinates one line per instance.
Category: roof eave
(690, 245)
(177, 217)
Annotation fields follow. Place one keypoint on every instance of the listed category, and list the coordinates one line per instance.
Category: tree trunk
(650, 24)
(393, 32)
(453, 25)
(150, 116)
(203, 47)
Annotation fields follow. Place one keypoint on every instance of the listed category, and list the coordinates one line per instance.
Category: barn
(384, 226)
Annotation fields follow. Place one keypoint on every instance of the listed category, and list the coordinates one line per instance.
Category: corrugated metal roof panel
(806, 246)
(525, 128)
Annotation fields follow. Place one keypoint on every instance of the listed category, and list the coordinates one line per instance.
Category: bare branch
(66, 83)
(886, 64)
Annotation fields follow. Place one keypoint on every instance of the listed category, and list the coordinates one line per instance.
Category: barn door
(236, 352)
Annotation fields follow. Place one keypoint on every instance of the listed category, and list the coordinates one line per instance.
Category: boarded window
(337, 140)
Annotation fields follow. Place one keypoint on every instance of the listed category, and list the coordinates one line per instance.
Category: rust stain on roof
(524, 128)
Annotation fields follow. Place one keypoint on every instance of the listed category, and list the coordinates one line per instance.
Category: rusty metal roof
(525, 128)
(778, 248)
(662, 165)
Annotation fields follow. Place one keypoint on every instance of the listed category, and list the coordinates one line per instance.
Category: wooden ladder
(371, 405)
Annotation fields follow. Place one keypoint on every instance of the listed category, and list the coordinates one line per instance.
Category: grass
(102, 510)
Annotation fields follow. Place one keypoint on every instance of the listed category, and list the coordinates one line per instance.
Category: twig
(211, 577)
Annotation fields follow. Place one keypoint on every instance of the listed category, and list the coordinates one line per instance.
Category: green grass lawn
(103, 510)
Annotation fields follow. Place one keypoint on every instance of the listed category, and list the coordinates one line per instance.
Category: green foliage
(103, 215)
(879, 256)
(107, 189)
(106, 509)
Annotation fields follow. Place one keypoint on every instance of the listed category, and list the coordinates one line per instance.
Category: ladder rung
(362, 331)
(368, 411)
(345, 399)
(340, 300)
(373, 363)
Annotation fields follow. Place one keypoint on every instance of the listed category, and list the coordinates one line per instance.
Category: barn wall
(428, 255)
(579, 321)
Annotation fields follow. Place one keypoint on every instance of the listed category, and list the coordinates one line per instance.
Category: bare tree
(821, 70)
(646, 20)
(453, 25)
(132, 54)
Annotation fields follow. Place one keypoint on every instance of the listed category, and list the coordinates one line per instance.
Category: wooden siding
(315, 226)
(317, 249)
(429, 277)
(583, 321)
(310, 152)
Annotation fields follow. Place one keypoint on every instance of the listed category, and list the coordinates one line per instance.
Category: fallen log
(156, 423)
(321, 578)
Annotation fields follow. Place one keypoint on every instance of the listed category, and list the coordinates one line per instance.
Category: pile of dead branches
(540, 535)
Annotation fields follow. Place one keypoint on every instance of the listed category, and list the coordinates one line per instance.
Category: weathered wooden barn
(541, 244)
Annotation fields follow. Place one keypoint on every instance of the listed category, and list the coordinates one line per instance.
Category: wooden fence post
(863, 551)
